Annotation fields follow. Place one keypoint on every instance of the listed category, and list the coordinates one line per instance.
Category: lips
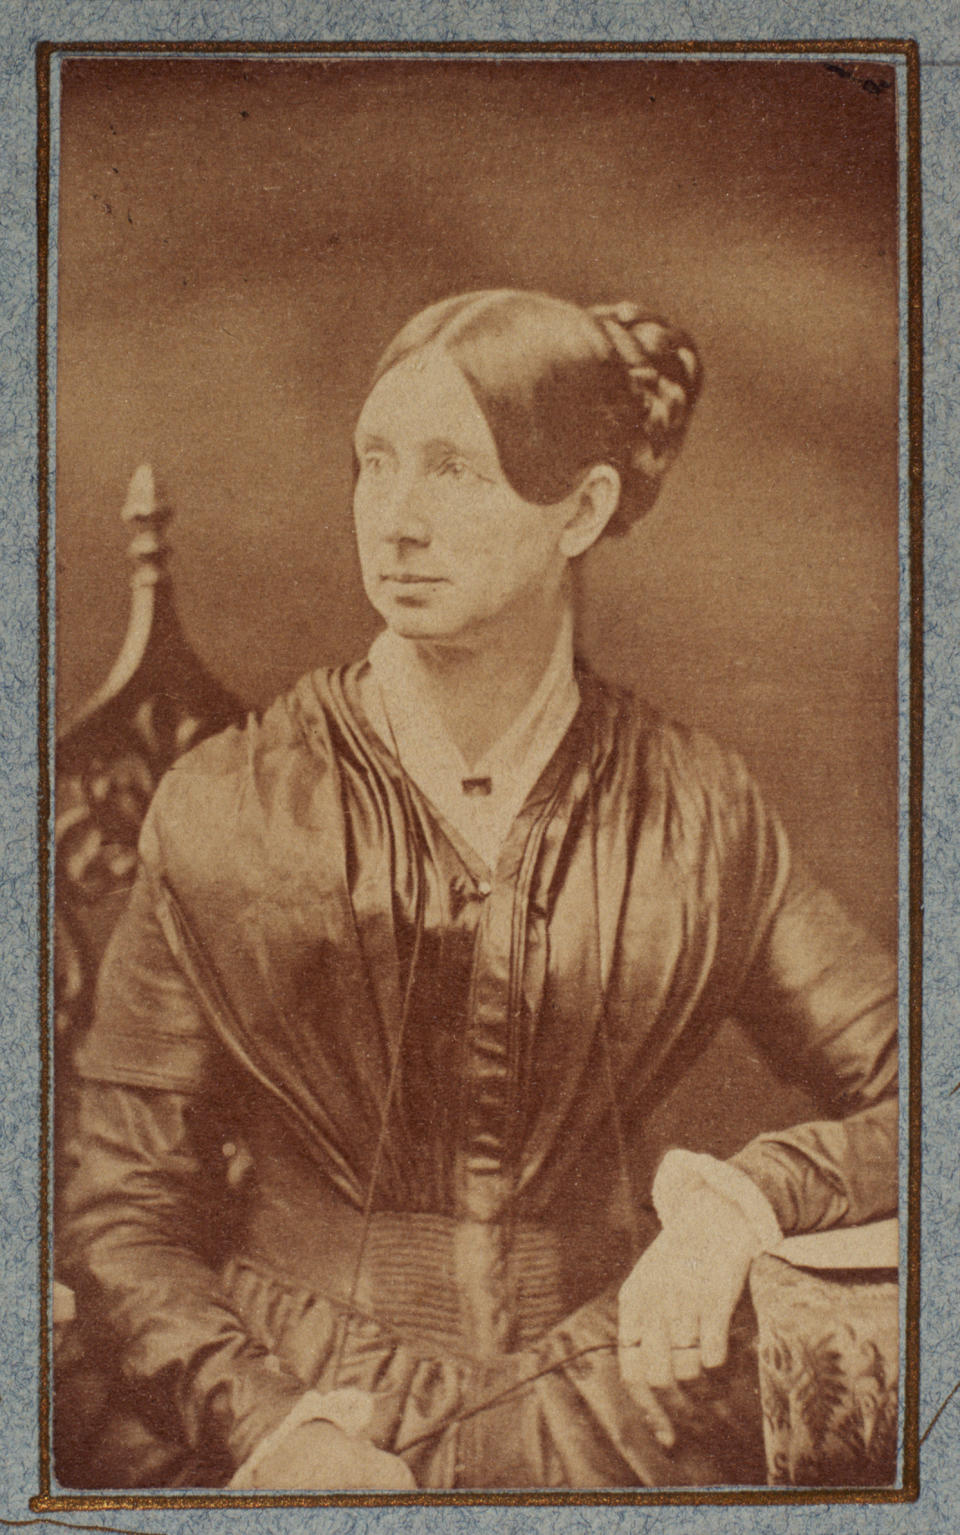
(409, 578)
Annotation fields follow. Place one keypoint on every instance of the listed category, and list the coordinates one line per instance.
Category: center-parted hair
(563, 388)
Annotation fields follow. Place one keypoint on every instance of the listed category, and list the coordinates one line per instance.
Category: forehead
(424, 398)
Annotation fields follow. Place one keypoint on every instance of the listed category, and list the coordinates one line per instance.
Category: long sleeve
(819, 997)
(141, 1203)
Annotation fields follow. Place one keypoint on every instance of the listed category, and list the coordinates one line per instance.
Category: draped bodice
(482, 1045)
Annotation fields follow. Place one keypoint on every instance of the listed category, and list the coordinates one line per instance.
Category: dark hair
(563, 388)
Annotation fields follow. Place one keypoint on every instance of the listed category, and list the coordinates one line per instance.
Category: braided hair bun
(563, 388)
(665, 376)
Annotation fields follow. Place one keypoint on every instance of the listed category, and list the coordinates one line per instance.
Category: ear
(592, 505)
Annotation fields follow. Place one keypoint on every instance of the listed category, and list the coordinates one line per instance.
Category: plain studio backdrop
(239, 239)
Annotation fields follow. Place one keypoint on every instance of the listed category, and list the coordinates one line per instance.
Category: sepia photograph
(477, 889)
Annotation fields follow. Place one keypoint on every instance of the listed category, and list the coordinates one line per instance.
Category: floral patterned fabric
(828, 1353)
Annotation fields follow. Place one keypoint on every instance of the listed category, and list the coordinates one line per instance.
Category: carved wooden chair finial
(149, 514)
(157, 701)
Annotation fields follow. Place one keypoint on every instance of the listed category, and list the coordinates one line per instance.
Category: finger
(653, 1414)
(629, 1313)
(655, 1353)
(715, 1332)
(686, 1362)
(683, 1324)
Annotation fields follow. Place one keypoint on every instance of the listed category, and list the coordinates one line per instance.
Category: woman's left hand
(675, 1307)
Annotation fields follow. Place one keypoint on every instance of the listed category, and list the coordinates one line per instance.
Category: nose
(405, 520)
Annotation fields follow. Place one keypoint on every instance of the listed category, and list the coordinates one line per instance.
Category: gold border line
(43, 735)
(911, 1443)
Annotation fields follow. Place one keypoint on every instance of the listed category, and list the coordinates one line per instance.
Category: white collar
(407, 722)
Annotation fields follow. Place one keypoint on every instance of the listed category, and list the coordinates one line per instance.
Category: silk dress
(356, 1109)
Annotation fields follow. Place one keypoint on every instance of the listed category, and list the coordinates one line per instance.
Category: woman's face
(447, 548)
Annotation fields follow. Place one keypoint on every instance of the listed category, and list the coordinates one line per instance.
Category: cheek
(364, 521)
(528, 544)
(485, 556)
(367, 555)
(512, 530)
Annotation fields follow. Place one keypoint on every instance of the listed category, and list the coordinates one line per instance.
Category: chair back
(157, 702)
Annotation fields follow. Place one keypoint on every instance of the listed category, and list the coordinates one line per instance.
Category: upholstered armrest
(828, 1342)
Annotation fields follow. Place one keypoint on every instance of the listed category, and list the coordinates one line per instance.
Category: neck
(479, 688)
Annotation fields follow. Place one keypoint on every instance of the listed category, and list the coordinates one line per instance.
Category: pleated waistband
(485, 1288)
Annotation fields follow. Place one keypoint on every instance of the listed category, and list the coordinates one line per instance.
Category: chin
(417, 619)
(418, 626)
(409, 619)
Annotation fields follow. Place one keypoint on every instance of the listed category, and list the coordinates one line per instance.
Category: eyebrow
(365, 440)
(437, 446)
(441, 447)
(434, 449)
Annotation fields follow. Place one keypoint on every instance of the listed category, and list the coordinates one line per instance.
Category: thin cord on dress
(419, 921)
(606, 1047)
(419, 924)
(505, 1394)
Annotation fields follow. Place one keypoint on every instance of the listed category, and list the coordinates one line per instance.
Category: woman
(430, 940)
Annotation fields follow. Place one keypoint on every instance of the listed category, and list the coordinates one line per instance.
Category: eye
(456, 469)
(373, 461)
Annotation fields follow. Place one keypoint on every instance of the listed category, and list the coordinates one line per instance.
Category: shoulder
(694, 783)
(234, 777)
(700, 766)
(681, 753)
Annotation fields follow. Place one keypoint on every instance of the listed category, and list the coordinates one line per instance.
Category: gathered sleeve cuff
(825, 1173)
(682, 1173)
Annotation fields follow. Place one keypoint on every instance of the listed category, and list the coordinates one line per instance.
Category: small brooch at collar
(477, 788)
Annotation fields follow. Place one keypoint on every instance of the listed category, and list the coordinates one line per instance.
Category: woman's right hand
(319, 1456)
(676, 1306)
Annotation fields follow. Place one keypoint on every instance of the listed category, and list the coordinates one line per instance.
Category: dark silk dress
(437, 1077)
